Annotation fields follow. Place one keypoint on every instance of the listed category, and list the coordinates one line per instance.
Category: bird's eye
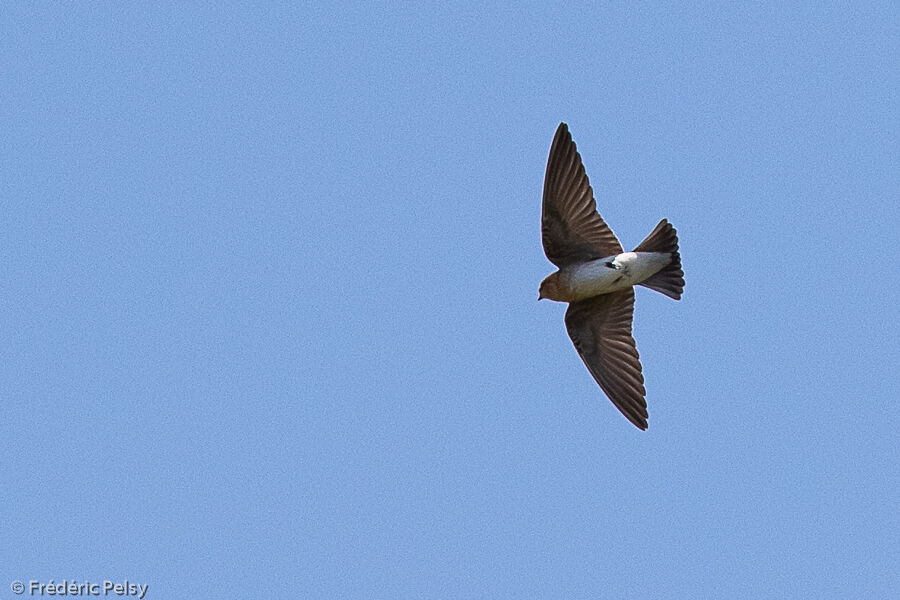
(610, 264)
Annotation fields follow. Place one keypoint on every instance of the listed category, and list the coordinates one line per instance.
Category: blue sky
(269, 300)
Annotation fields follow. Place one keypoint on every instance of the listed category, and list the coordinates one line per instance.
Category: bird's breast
(613, 273)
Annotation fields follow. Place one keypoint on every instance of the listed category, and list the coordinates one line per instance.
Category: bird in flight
(596, 277)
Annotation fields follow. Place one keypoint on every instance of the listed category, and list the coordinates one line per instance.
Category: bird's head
(550, 288)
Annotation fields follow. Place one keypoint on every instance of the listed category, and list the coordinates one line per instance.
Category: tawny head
(550, 288)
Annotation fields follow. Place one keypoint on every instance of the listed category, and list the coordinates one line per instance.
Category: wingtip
(638, 420)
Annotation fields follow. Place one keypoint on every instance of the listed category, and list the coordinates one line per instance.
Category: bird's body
(608, 274)
(597, 278)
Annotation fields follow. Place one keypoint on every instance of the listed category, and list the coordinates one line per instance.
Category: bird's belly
(630, 268)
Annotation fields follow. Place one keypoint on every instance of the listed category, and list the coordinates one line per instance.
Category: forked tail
(670, 280)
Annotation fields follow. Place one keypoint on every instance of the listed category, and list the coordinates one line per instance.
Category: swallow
(597, 278)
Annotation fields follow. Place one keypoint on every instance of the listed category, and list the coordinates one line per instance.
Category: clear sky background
(269, 320)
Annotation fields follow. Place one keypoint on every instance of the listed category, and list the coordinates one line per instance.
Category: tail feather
(670, 280)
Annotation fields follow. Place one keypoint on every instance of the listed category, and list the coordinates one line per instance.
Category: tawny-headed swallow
(596, 277)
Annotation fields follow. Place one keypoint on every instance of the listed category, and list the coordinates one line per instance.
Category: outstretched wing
(600, 328)
(571, 229)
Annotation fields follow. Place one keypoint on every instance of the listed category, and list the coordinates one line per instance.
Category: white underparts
(614, 273)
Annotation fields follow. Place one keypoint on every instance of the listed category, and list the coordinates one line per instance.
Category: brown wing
(571, 229)
(600, 328)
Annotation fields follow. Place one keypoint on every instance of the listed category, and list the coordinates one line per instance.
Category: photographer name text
(85, 588)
